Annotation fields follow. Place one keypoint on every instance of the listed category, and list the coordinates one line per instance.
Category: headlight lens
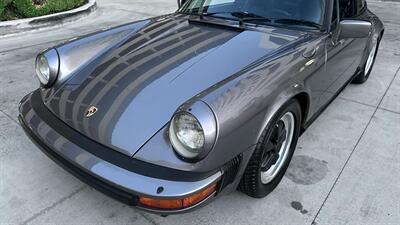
(193, 131)
(43, 69)
(187, 135)
(189, 131)
(47, 67)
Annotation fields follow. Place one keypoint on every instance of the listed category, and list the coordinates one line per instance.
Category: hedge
(3, 4)
(33, 8)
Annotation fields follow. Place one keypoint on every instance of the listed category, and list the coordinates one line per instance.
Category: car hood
(138, 84)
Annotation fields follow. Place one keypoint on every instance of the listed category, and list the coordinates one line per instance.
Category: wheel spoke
(269, 161)
(277, 148)
(280, 127)
(275, 134)
(269, 150)
(270, 147)
(282, 136)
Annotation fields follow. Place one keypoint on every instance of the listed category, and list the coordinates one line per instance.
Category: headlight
(193, 131)
(187, 135)
(47, 66)
(43, 69)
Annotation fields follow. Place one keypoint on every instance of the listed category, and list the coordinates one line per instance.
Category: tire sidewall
(367, 73)
(294, 107)
(363, 75)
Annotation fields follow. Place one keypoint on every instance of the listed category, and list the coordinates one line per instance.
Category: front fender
(243, 105)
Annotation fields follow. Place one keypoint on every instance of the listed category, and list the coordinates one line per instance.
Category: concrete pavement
(346, 169)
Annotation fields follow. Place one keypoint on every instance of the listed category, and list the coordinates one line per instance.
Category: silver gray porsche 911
(169, 113)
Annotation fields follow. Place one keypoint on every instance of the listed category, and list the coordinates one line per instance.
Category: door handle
(336, 43)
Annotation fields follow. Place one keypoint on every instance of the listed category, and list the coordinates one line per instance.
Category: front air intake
(230, 171)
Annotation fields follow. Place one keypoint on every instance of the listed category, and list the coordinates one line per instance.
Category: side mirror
(181, 2)
(354, 28)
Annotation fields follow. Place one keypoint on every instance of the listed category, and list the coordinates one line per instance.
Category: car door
(332, 60)
(344, 54)
(338, 56)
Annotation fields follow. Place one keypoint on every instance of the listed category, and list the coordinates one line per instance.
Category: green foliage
(33, 8)
(3, 4)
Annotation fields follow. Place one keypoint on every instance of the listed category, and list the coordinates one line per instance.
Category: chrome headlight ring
(199, 131)
(47, 67)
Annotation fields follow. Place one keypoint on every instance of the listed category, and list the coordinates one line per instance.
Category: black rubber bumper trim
(107, 154)
(118, 194)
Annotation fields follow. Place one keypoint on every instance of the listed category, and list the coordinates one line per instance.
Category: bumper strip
(85, 177)
(113, 180)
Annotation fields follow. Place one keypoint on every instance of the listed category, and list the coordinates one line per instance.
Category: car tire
(262, 176)
(365, 70)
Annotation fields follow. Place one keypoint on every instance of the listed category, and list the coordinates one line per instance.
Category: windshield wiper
(242, 16)
(298, 22)
(248, 17)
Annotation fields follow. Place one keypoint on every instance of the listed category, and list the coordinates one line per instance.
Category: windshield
(277, 10)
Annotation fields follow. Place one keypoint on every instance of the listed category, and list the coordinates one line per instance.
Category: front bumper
(105, 169)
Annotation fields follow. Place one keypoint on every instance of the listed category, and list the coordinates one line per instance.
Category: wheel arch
(304, 100)
(296, 92)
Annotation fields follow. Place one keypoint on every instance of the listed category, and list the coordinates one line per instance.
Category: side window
(348, 8)
(335, 15)
(360, 6)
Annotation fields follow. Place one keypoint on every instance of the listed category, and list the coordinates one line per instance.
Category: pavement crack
(355, 147)
(355, 101)
(10, 117)
(388, 110)
(371, 106)
(45, 210)
(148, 218)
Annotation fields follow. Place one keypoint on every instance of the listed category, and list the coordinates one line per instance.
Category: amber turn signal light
(171, 204)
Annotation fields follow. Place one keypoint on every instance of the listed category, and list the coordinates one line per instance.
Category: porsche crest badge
(91, 111)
